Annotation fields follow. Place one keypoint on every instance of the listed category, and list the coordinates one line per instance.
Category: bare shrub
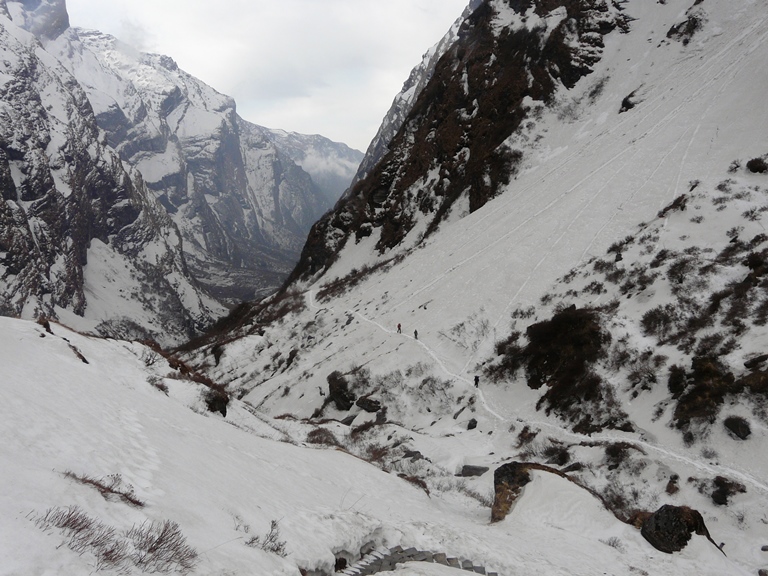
(416, 481)
(86, 534)
(596, 288)
(361, 429)
(152, 547)
(709, 453)
(526, 436)
(557, 454)
(677, 380)
(161, 547)
(149, 357)
(322, 436)
(659, 321)
(270, 542)
(711, 382)
(157, 383)
(614, 542)
(617, 454)
(375, 453)
(110, 487)
(485, 500)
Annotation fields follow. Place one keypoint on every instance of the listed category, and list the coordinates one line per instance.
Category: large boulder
(508, 482)
(468, 470)
(369, 404)
(738, 426)
(338, 391)
(669, 528)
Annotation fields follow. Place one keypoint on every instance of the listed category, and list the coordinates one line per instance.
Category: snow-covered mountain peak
(46, 19)
(156, 77)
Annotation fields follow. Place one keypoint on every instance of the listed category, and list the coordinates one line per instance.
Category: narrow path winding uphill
(700, 464)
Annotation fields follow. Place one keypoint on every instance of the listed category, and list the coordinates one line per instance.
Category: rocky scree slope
(73, 220)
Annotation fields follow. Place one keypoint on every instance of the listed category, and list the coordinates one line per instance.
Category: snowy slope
(223, 481)
(590, 177)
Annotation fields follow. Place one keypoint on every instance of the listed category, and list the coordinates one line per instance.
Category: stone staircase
(384, 559)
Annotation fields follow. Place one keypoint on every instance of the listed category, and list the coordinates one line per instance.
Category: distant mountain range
(229, 202)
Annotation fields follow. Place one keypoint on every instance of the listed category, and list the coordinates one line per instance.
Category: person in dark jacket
(416, 334)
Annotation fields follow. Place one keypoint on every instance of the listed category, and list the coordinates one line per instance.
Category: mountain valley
(532, 334)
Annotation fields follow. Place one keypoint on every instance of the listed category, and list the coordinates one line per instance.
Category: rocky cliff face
(405, 99)
(72, 219)
(236, 190)
(455, 149)
(126, 180)
(332, 165)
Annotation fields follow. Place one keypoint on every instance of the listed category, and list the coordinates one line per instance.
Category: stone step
(386, 559)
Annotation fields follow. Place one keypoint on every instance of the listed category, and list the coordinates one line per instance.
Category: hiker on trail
(398, 329)
(477, 380)
(415, 334)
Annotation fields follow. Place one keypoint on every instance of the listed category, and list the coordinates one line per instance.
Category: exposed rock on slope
(72, 220)
(404, 101)
(669, 529)
(508, 62)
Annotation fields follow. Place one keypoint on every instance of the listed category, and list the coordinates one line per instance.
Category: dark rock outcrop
(683, 31)
(508, 483)
(217, 401)
(724, 489)
(669, 529)
(450, 144)
(738, 426)
(469, 471)
(368, 404)
(756, 361)
(338, 391)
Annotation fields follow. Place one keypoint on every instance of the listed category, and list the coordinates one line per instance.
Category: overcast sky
(329, 67)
